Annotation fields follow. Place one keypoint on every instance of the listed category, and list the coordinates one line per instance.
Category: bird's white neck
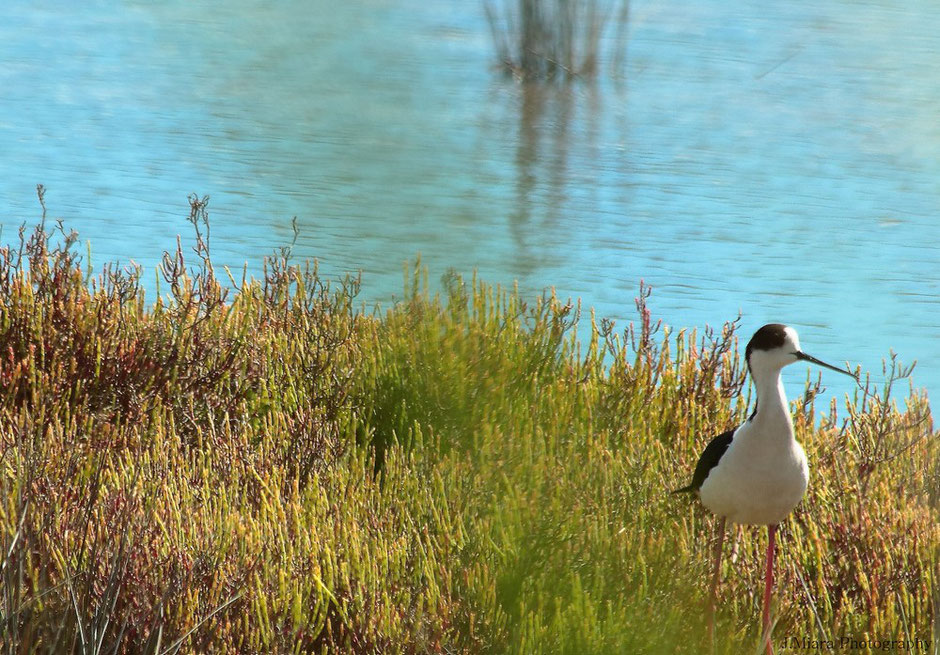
(772, 406)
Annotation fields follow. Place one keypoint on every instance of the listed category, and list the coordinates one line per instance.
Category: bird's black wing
(709, 460)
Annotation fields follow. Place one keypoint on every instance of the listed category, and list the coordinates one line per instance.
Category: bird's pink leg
(768, 585)
(710, 608)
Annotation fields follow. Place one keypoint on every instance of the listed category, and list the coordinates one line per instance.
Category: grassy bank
(270, 470)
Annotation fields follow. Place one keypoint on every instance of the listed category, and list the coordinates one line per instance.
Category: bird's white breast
(760, 478)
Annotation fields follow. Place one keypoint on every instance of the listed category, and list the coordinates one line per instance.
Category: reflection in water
(542, 152)
(527, 156)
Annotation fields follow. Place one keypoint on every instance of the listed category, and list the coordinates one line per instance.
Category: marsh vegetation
(260, 465)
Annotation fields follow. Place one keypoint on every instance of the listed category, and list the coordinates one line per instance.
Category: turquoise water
(777, 159)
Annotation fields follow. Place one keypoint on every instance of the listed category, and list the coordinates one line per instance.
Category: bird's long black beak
(809, 358)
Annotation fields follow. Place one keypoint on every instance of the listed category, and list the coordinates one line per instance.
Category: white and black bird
(757, 473)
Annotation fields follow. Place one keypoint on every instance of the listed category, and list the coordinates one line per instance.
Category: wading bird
(757, 473)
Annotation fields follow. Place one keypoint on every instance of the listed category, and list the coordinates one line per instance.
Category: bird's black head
(769, 337)
(774, 346)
